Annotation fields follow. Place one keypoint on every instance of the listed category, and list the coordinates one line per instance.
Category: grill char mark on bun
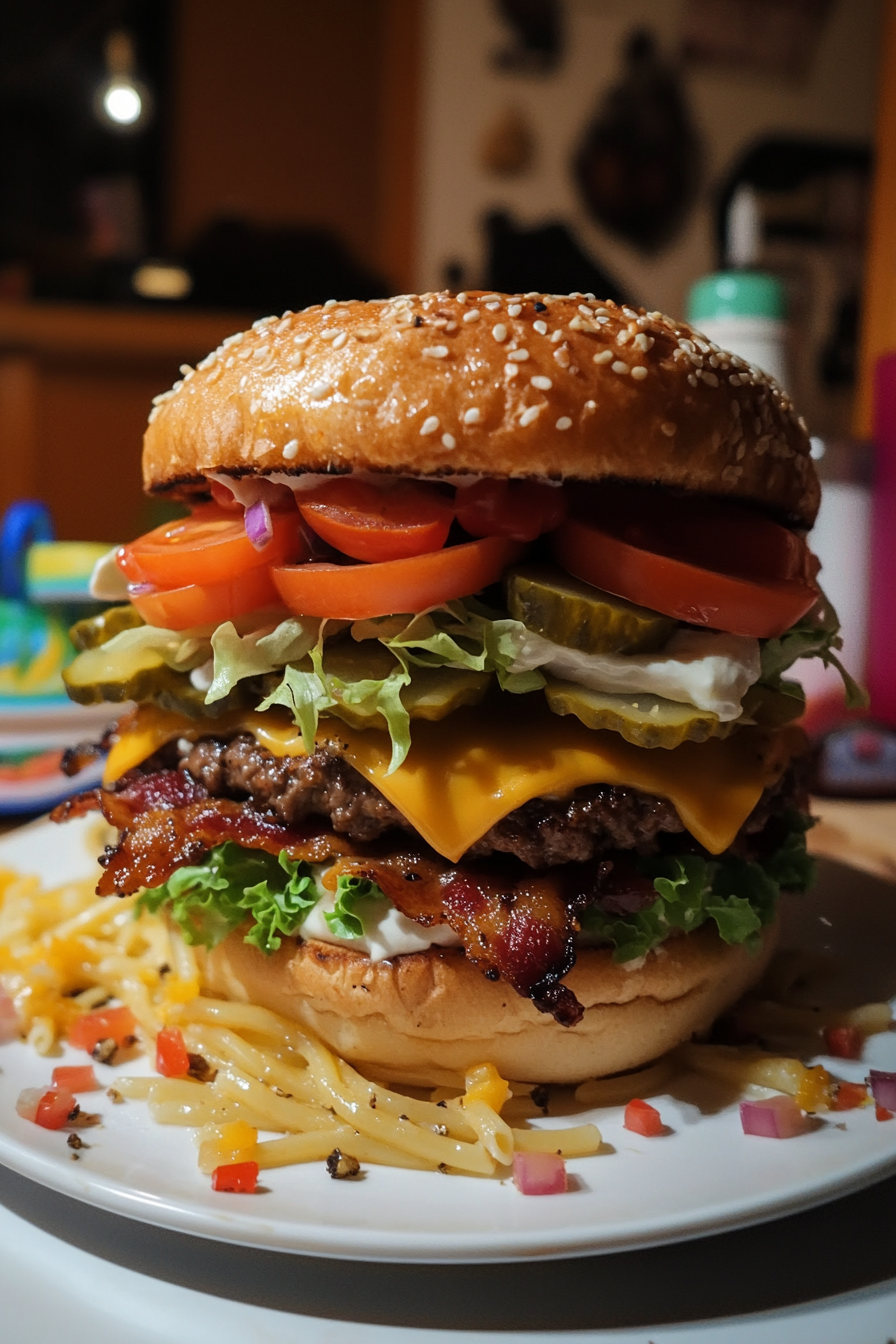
(601, 392)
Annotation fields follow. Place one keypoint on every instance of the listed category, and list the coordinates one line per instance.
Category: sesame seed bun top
(559, 387)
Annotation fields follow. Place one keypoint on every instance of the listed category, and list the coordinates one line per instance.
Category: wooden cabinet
(76, 385)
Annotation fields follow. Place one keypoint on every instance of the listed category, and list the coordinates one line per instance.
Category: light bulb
(122, 103)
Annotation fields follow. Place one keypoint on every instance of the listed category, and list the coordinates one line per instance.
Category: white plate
(706, 1176)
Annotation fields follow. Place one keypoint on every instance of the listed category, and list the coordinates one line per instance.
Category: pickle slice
(96, 630)
(128, 674)
(642, 719)
(572, 613)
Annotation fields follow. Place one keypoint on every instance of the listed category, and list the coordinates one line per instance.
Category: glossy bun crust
(427, 1017)
(555, 387)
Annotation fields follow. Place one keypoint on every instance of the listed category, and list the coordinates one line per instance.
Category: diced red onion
(9, 1020)
(140, 589)
(257, 521)
(774, 1118)
(539, 1174)
(27, 1102)
(883, 1088)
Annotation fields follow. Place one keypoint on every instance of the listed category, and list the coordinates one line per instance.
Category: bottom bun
(426, 1017)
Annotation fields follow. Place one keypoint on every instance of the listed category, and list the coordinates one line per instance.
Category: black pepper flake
(104, 1051)
(342, 1166)
(164, 969)
(114, 1096)
(541, 1098)
(85, 1119)
(492, 974)
(442, 1103)
(75, 1141)
(418, 320)
(200, 1069)
(372, 1102)
(443, 1168)
(540, 307)
(412, 877)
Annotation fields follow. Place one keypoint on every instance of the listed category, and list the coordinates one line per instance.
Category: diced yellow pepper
(484, 1083)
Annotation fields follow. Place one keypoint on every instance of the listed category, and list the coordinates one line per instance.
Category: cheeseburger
(456, 721)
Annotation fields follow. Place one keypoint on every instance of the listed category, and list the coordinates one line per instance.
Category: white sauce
(388, 934)
(107, 583)
(710, 670)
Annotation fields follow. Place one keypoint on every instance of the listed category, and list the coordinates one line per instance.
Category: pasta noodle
(64, 953)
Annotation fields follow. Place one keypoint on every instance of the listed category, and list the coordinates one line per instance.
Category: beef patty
(591, 821)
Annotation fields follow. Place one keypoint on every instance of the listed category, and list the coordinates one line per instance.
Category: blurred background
(171, 170)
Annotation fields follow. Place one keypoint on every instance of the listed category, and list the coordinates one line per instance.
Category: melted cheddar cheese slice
(467, 772)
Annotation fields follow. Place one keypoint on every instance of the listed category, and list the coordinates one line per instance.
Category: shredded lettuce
(237, 656)
(740, 896)
(209, 900)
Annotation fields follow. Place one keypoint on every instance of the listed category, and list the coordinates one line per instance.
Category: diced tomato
(709, 563)
(522, 510)
(117, 1024)
(355, 592)
(372, 522)
(238, 1178)
(172, 1060)
(882, 1113)
(210, 547)
(642, 1118)
(205, 603)
(844, 1042)
(76, 1078)
(849, 1096)
(539, 1174)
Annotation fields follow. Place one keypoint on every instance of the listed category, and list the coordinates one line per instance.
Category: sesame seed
(302, 339)
(451, 326)
(429, 426)
(291, 449)
(473, 315)
(153, 413)
(618, 367)
(176, 387)
(541, 382)
(529, 414)
(245, 353)
(260, 351)
(436, 351)
(449, 441)
(186, 370)
(228, 362)
(331, 303)
(511, 370)
(330, 334)
(514, 310)
(603, 357)
(584, 309)
(243, 381)
(557, 336)
(540, 327)
(561, 355)
(472, 416)
(643, 341)
(519, 356)
(499, 331)
(692, 379)
(296, 360)
(564, 422)
(623, 337)
(639, 372)
(491, 298)
(668, 428)
(493, 307)
(317, 391)
(710, 378)
(590, 405)
(462, 297)
(340, 340)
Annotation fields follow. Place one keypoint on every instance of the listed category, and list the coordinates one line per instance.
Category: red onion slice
(27, 1102)
(774, 1118)
(257, 521)
(883, 1088)
(9, 1020)
(539, 1174)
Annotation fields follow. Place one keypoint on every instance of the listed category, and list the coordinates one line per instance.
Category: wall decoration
(772, 37)
(638, 163)
(508, 145)
(535, 45)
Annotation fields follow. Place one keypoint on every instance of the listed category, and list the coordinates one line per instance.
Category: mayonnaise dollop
(710, 670)
(387, 933)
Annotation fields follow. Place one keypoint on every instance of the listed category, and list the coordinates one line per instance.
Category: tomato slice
(117, 1024)
(236, 1178)
(522, 510)
(642, 1118)
(373, 523)
(208, 547)
(205, 603)
(356, 592)
(75, 1078)
(761, 608)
